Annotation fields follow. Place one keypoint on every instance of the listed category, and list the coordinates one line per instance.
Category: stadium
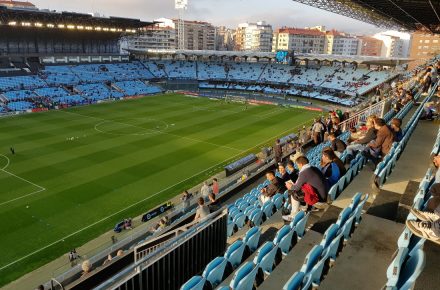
(177, 168)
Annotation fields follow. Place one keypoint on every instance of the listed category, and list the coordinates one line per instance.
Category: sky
(218, 12)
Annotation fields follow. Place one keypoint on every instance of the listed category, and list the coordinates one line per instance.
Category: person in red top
(215, 187)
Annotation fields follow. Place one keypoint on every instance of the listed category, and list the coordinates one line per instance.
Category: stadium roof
(393, 14)
(374, 60)
(19, 15)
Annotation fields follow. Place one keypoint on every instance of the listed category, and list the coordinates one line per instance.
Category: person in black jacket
(337, 145)
(275, 186)
(310, 175)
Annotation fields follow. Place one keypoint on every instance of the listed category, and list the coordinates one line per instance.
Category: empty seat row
(321, 257)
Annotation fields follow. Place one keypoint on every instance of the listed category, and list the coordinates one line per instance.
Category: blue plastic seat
(333, 192)
(355, 201)
(298, 281)
(347, 227)
(285, 239)
(239, 220)
(248, 210)
(268, 208)
(265, 257)
(256, 217)
(252, 238)
(235, 253)
(230, 228)
(394, 268)
(411, 271)
(329, 235)
(343, 217)
(216, 271)
(311, 259)
(195, 283)
(298, 216)
(300, 227)
(358, 211)
(244, 277)
(278, 200)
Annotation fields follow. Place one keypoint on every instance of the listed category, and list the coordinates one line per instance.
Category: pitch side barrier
(177, 260)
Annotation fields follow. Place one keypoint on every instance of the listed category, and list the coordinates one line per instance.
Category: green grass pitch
(76, 172)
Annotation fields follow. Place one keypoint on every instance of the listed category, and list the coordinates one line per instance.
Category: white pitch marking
(40, 188)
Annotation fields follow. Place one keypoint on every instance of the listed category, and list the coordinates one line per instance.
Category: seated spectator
(128, 224)
(436, 162)
(428, 224)
(360, 144)
(276, 185)
(331, 167)
(120, 253)
(108, 260)
(202, 211)
(381, 146)
(337, 145)
(163, 222)
(395, 126)
(311, 187)
(290, 168)
(214, 205)
(283, 173)
(86, 266)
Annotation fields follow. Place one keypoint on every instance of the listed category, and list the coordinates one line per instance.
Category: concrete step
(363, 261)
(291, 262)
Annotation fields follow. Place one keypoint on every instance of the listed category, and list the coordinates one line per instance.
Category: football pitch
(76, 172)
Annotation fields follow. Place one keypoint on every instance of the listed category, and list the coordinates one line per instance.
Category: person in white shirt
(205, 190)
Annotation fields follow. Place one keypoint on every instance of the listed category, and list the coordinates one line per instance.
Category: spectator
(120, 253)
(337, 145)
(186, 197)
(215, 187)
(436, 161)
(275, 185)
(214, 203)
(308, 175)
(40, 287)
(290, 168)
(278, 151)
(284, 176)
(86, 266)
(360, 144)
(428, 226)
(395, 126)
(205, 190)
(108, 260)
(382, 144)
(128, 224)
(317, 130)
(331, 167)
(202, 211)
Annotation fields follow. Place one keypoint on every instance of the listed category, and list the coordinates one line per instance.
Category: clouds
(219, 12)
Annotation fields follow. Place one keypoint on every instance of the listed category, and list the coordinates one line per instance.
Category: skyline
(230, 13)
